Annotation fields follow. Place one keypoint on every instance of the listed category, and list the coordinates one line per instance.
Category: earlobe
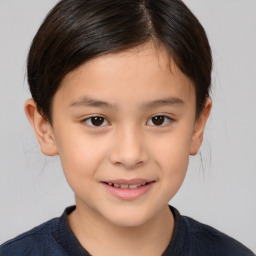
(42, 128)
(198, 134)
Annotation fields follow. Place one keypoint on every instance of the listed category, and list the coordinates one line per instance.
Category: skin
(127, 145)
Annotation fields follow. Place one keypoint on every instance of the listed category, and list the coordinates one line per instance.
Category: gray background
(220, 191)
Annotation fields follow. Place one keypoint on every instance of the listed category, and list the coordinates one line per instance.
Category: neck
(100, 237)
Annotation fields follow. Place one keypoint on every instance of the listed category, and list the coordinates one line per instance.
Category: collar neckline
(68, 240)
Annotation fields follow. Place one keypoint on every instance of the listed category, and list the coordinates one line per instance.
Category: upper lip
(128, 182)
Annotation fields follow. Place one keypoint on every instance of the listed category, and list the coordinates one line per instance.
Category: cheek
(174, 163)
(172, 148)
(171, 153)
(80, 156)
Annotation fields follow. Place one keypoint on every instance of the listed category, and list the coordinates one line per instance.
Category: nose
(128, 149)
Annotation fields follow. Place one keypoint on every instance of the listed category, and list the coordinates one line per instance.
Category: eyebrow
(172, 101)
(90, 102)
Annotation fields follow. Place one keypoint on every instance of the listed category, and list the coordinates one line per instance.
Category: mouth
(127, 186)
(128, 189)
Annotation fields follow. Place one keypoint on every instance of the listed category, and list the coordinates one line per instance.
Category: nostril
(129, 165)
(128, 154)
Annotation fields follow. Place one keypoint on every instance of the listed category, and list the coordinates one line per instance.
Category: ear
(198, 134)
(42, 128)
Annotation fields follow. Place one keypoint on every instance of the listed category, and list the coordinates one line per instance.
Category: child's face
(144, 132)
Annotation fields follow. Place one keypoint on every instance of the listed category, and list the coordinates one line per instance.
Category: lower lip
(128, 194)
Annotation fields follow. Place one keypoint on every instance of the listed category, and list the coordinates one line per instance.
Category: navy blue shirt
(190, 238)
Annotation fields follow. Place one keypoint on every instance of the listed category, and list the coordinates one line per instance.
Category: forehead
(138, 74)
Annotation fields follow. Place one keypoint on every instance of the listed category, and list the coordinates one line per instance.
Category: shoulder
(33, 242)
(206, 240)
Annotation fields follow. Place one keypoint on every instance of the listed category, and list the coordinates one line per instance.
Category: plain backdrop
(220, 190)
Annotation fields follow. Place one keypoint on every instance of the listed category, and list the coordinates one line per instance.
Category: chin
(128, 219)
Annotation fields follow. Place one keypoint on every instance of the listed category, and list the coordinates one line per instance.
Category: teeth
(133, 186)
(126, 186)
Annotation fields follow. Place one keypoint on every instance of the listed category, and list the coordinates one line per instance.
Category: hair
(76, 31)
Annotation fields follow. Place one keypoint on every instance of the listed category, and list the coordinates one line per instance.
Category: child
(121, 93)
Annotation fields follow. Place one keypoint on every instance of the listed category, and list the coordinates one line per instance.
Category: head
(120, 89)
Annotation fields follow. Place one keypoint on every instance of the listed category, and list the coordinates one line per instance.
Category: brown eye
(159, 120)
(96, 121)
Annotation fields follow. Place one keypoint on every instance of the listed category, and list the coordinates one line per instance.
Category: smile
(128, 190)
(127, 186)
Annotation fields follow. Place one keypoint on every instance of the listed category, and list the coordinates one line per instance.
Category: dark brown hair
(76, 31)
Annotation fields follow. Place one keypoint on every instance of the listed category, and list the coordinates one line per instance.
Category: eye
(159, 120)
(96, 121)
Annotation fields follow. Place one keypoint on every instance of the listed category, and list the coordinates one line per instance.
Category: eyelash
(166, 120)
(100, 118)
(104, 121)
